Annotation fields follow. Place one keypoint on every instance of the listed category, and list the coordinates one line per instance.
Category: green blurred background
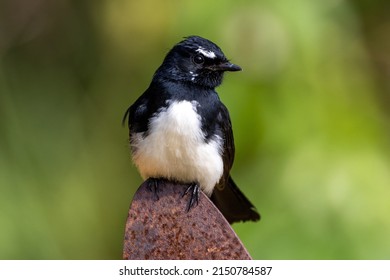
(310, 114)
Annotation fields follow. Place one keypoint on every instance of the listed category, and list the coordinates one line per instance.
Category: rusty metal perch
(160, 228)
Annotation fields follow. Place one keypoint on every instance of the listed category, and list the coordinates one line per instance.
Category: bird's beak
(226, 66)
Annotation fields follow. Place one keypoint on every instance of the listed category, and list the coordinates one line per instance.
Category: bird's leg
(193, 189)
(153, 186)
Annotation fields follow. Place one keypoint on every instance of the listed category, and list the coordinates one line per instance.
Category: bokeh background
(310, 114)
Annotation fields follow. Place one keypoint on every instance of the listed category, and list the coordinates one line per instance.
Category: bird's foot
(153, 186)
(194, 190)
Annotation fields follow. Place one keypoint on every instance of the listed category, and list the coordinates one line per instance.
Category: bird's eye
(198, 59)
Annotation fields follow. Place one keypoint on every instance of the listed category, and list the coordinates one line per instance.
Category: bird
(180, 130)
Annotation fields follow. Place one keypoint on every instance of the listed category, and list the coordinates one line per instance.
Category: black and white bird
(181, 131)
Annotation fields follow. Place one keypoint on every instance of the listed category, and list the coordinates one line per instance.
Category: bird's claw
(153, 187)
(194, 190)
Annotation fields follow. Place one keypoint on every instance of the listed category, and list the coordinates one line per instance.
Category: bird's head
(196, 60)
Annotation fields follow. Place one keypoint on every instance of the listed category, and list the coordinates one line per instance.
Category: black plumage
(191, 71)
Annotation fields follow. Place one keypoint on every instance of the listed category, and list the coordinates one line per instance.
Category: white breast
(175, 148)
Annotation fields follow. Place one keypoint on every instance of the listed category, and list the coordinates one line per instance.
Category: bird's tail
(233, 204)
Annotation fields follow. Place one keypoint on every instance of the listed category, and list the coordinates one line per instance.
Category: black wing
(137, 116)
(144, 107)
(139, 113)
(226, 195)
(228, 145)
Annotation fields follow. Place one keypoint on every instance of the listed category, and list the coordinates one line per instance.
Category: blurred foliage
(310, 113)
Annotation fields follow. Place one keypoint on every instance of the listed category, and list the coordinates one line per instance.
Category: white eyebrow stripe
(206, 53)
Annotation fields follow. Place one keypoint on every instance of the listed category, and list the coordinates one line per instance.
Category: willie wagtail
(181, 131)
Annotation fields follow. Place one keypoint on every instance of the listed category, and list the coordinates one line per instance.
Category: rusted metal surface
(161, 228)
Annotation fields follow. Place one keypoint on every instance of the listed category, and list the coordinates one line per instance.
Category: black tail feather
(233, 204)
